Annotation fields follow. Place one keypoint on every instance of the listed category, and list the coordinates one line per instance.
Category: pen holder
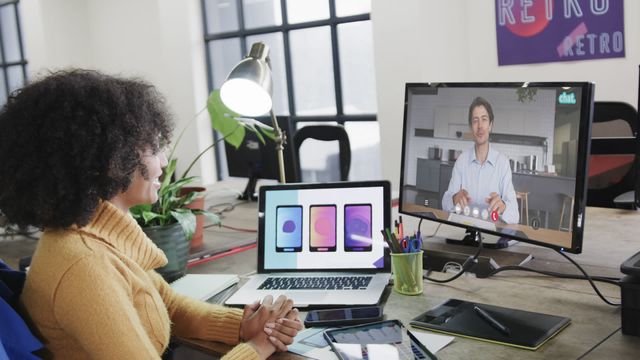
(407, 273)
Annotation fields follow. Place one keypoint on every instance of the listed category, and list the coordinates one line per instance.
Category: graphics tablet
(526, 329)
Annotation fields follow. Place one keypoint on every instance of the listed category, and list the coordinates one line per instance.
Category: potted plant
(171, 222)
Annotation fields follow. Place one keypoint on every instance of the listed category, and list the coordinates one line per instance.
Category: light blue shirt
(480, 180)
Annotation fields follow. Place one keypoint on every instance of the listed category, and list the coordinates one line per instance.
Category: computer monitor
(507, 159)
(636, 193)
(256, 160)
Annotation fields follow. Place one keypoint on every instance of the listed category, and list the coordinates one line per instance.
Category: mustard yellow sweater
(91, 292)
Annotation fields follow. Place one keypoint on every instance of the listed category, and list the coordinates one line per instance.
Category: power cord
(593, 285)
(472, 260)
(584, 276)
(605, 279)
(468, 264)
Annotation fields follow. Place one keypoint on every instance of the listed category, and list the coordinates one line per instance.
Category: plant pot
(173, 242)
(198, 204)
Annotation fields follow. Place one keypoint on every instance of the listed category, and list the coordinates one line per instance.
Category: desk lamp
(247, 91)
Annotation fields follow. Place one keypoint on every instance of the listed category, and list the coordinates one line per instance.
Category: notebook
(203, 286)
(320, 244)
(526, 329)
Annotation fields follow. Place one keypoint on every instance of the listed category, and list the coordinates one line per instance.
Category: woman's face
(480, 125)
(144, 190)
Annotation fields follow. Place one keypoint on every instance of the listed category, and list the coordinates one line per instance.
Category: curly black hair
(72, 139)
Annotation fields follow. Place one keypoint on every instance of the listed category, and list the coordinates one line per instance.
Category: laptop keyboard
(316, 283)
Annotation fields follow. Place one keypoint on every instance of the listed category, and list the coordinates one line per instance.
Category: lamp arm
(279, 142)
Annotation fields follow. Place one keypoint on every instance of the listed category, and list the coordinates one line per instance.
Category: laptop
(321, 245)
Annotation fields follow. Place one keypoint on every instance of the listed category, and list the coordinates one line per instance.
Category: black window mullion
(20, 46)
(210, 81)
(337, 83)
(4, 62)
(242, 30)
(242, 33)
(286, 27)
(287, 59)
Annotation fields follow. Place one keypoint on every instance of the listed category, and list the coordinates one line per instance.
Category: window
(13, 66)
(322, 65)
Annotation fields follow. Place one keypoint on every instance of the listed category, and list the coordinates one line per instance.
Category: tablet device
(388, 340)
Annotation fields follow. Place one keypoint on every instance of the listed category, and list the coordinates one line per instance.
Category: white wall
(444, 40)
(158, 40)
(414, 41)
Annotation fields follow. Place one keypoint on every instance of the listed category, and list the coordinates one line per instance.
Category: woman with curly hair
(77, 150)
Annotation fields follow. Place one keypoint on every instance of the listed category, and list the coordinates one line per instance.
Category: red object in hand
(494, 215)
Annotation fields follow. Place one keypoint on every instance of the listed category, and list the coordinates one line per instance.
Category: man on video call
(481, 176)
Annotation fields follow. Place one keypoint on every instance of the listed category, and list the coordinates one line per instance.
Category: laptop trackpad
(302, 300)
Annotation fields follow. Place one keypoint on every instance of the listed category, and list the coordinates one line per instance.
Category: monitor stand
(442, 255)
(469, 240)
(249, 193)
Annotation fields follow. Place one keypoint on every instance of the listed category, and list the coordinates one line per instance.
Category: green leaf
(149, 216)
(213, 218)
(187, 220)
(168, 172)
(268, 132)
(223, 120)
(188, 198)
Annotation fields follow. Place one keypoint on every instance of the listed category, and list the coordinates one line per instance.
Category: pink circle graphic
(537, 10)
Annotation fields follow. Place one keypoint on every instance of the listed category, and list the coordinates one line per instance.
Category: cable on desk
(231, 228)
(239, 229)
(593, 285)
(584, 276)
(434, 233)
(227, 207)
(468, 264)
(605, 279)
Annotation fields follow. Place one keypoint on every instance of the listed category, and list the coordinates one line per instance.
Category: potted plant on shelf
(171, 222)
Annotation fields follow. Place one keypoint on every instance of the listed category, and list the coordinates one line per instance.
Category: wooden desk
(610, 237)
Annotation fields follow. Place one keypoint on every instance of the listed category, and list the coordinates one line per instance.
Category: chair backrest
(614, 148)
(16, 339)
(325, 133)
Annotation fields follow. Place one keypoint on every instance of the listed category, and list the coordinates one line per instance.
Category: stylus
(493, 322)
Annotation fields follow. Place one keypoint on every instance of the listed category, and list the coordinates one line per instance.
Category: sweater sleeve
(241, 352)
(197, 319)
(94, 305)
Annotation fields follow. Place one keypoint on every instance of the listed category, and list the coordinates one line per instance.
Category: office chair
(613, 160)
(17, 341)
(325, 133)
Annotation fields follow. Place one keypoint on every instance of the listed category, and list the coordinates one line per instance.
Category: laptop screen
(323, 227)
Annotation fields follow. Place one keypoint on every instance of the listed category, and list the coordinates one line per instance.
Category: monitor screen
(508, 159)
(256, 160)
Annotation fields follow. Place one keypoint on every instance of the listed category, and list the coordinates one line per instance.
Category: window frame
(285, 28)
(22, 62)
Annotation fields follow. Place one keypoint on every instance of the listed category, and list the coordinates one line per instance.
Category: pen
(493, 322)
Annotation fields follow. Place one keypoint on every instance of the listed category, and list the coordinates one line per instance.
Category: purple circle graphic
(289, 226)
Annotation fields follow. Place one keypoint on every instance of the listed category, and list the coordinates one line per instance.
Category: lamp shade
(247, 89)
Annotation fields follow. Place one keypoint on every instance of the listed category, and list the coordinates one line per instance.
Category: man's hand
(495, 203)
(461, 198)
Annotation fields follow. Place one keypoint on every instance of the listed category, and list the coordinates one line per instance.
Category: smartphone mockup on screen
(289, 228)
(322, 228)
(357, 227)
